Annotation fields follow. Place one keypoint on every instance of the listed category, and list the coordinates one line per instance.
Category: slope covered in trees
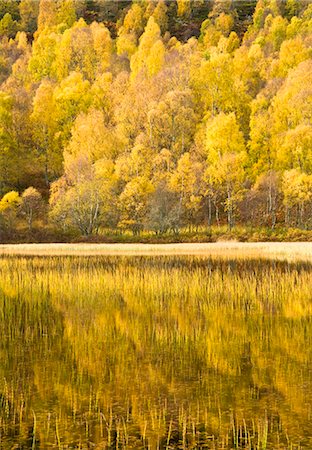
(155, 115)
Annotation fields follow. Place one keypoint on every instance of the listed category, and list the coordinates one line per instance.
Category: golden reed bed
(297, 250)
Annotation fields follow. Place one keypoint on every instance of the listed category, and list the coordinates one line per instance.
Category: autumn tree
(8, 26)
(171, 122)
(72, 97)
(83, 198)
(29, 10)
(150, 54)
(184, 8)
(42, 60)
(160, 16)
(92, 136)
(226, 158)
(264, 199)
(297, 192)
(130, 31)
(186, 182)
(137, 162)
(8, 144)
(291, 114)
(31, 205)
(66, 14)
(75, 52)
(47, 17)
(44, 129)
(53, 13)
(9, 205)
(85, 49)
(133, 204)
(164, 211)
(292, 8)
(103, 46)
(261, 153)
(292, 53)
(220, 90)
(103, 97)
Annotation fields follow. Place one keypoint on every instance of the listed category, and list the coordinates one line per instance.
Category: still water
(155, 353)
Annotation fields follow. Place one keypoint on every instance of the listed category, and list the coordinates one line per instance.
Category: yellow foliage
(11, 200)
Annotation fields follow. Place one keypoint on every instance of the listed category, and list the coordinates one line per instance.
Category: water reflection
(155, 352)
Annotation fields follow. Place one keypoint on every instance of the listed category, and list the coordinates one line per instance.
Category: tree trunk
(286, 215)
(229, 210)
(272, 203)
(301, 215)
(217, 215)
(46, 174)
(29, 219)
(209, 212)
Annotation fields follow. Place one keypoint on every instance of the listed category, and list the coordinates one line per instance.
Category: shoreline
(231, 248)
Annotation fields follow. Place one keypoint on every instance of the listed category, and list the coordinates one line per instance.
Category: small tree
(264, 198)
(8, 26)
(8, 208)
(164, 210)
(133, 204)
(296, 188)
(185, 181)
(31, 205)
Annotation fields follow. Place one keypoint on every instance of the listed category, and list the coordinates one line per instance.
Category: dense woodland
(154, 115)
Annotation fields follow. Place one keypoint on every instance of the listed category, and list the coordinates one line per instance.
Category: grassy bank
(201, 235)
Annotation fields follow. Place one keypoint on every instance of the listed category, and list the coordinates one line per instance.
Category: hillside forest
(154, 116)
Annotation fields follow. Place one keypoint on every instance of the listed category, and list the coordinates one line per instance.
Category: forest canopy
(155, 115)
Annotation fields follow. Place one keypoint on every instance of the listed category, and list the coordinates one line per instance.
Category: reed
(153, 352)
